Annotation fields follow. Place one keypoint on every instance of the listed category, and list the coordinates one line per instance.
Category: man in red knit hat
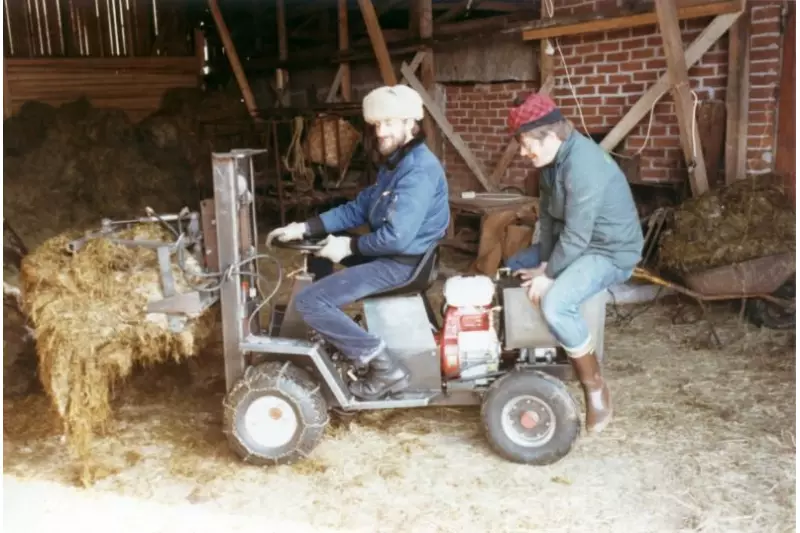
(590, 237)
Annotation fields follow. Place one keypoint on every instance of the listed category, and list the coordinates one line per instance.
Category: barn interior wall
(609, 72)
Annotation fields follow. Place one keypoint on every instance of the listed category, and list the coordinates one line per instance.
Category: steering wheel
(303, 245)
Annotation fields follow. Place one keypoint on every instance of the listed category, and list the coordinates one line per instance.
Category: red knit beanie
(532, 111)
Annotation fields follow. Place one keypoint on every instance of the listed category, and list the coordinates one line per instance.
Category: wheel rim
(270, 421)
(528, 421)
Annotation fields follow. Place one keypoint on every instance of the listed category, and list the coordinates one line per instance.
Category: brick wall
(609, 72)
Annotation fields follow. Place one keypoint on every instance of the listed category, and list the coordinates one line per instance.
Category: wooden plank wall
(95, 28)
(134, 84)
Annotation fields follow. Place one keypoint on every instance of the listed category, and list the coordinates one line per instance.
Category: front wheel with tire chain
(276, 414)
(530, 418)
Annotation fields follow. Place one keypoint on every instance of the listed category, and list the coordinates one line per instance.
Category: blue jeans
(585, 277)
(527, 258)
(320, 303)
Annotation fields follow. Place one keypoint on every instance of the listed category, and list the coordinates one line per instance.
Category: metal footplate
(301, 351)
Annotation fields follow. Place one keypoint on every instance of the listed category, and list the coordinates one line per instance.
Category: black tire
(538, 393)
(769, 315)
(292, 399)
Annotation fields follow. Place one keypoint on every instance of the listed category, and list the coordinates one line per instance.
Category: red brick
(593, 58)
(765, 27)
(586, 90)
(655, 64)
(594, 80)
(597, 100)
(608, 46)
(585, 49)
(644, 53)
(643, 31)
(762, 93)
(620, 78)
(766, 12)
(765, 67)
(703, 70)
(613, 111)
(634, 44)
(617, 34)
(608, 89)
(765, 54)
(615, 100)
(582, 70)
(607, 69)
(764, 41)
(618, 56)
(631, 66)
(649, 76)
(763, 80)
(633, 88)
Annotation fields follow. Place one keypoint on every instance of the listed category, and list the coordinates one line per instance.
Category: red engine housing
(456, 320)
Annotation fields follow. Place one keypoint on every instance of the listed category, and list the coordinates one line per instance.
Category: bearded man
(407, 211)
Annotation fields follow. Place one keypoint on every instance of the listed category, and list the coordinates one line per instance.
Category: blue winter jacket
(407, 208)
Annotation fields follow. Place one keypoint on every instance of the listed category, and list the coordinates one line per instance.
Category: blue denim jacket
(407, 208)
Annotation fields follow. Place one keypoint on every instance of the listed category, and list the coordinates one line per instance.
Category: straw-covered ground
(703, 440)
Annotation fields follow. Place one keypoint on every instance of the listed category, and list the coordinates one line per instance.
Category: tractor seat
(423, 277)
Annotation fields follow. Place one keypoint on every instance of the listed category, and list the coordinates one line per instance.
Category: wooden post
(233, 57)
(667, 13)
(378, 42)
(344, 44)
(7, 104)
(737, 99)
(281, 75)
(428, 73)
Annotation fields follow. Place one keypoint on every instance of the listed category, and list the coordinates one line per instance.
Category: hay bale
(749, 219)
(91, 326)
(87, 166)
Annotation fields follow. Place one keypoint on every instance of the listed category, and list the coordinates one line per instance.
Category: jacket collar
(565, 148)
(394, 159)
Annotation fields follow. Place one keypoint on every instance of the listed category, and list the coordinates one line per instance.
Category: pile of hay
(91, 325)
(67, 167)
(749, 219)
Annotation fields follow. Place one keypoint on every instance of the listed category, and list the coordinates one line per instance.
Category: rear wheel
(276, 414)
(530, 418)
(769, 315)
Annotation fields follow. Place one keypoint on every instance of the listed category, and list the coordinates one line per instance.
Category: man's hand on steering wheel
(291, 232)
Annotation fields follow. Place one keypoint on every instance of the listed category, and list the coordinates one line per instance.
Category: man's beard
(387, 145)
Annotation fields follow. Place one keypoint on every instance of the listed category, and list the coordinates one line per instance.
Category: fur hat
(398, 101)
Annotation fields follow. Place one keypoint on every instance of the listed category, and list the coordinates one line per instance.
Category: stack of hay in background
(749, 219)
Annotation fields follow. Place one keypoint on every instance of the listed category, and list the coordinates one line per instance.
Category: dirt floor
(703, 440)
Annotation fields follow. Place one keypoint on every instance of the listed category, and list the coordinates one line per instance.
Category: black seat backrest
(424, 275)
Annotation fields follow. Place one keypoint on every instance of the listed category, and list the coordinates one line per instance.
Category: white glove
(537, 288)
(290, 232)
(530, 273)
(336, 248)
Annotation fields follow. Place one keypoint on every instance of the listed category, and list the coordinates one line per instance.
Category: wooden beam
(281, 74)
(337, 82)
(454, 138)
(7, 110)
(233, 58)
(737, 99)
(378, 43)
(692, 55)
(344, 44)
(414, 65)
(559, 27)
(678, 75)
(427, 73)
(513, 146)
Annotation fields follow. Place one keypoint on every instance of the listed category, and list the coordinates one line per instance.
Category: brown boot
(595, 391)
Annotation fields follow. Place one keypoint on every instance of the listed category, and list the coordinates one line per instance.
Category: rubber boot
(385, 376)
(595, 391)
